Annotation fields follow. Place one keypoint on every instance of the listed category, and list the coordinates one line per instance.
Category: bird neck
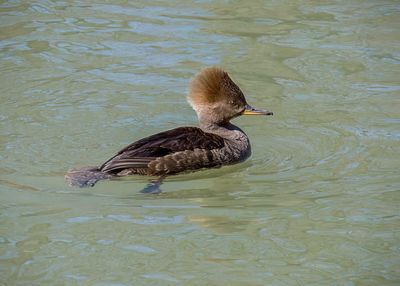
(226, 130)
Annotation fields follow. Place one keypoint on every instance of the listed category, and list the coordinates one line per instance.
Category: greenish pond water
(317, 203)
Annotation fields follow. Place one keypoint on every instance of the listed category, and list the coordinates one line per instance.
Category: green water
(316, 204)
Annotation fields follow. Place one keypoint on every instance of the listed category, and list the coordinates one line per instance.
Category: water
(318, 202)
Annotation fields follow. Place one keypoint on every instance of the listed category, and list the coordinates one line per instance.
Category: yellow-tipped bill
(249, 110)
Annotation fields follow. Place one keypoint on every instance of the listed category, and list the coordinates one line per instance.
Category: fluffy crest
(212, 85)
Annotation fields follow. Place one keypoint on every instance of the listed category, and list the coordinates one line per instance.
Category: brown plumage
(163, 153)
(216, 100)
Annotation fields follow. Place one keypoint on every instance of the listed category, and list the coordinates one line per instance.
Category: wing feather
(140, 153)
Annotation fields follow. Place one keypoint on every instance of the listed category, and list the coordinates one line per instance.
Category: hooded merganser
(216, 99)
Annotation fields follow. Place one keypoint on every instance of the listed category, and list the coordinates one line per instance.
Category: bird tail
(85, 177)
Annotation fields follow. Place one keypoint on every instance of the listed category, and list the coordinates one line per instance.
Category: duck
(216, 142)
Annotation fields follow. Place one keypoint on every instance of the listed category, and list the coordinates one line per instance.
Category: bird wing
(140, 153)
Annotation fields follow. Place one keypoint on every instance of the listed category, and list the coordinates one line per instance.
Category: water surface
(318, 202)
